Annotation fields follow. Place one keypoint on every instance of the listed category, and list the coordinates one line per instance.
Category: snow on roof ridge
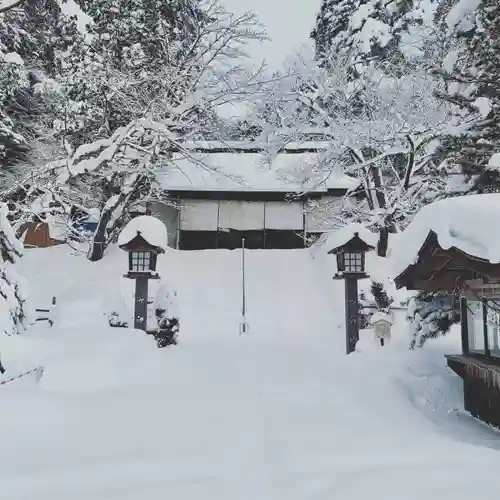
(381, 316)
(341, 236)
(231, 146)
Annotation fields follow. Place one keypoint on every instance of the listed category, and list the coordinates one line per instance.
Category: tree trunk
(376, 175)
(101, 236)
(357, 157)
(383, 241)
(99, 242)
(409, 164)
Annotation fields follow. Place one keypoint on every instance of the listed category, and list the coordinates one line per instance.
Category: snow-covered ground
(280, 413)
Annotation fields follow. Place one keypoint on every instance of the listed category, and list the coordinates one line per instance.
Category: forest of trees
(405, 92)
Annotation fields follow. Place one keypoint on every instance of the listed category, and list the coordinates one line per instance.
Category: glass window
(493, 323)
(140, 262)
(475, 325)
(353, 262)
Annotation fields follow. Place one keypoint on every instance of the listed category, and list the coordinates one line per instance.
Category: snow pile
(18, 354)
(464, 222)
(150, 228)
(94, 361)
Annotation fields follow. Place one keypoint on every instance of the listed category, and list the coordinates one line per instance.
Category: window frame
(140, 261)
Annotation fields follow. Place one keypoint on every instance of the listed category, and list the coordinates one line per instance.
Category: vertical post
(304, 223)
(179, 220)
(243, 326)
(352, 312)
(494, 327)
(217, 235)
(464, 325)
(485, 328)
(141, 303)
(264, 242)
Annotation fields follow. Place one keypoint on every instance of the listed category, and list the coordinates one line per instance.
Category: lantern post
(142, 260)
(351, 268)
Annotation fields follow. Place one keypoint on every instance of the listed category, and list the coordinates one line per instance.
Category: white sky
(288, 23)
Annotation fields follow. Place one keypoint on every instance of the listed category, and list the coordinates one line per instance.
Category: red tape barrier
(38, 371)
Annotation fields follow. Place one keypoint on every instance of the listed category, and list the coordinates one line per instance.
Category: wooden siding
(481, 379)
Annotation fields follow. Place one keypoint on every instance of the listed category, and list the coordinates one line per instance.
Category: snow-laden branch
(6, 5)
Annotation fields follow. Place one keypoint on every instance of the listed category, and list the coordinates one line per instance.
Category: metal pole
(141, 303)
(243, 326)
(304, 223)
(351, 313)
(179, 222)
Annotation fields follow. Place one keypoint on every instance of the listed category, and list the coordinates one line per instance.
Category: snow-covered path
(114, 419)
(283, 298)
(272, 415)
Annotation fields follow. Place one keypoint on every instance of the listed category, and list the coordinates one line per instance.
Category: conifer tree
(472, 74)
(125, 44)
(31, 35)
(13, 311)
(369, 32)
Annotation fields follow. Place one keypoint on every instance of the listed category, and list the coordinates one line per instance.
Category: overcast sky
(288, 22)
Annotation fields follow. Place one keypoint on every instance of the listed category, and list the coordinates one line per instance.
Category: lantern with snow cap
(144, 238)
(351, 257)
(350, 251)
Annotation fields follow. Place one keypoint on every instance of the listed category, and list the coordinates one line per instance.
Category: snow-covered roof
(466, 222)
(341, 236)
(381, 316)
(286, 172)
(239, 145)
(149, 228)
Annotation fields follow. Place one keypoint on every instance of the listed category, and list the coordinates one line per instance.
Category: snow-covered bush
(14, 316)
(431, 315)
(115, 320)
(167, 315)
(118, 311)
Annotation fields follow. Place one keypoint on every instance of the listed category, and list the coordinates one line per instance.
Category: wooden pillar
(141, 303)
(352, 313)
(485, 328)
(464, 323)
(179, 220)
